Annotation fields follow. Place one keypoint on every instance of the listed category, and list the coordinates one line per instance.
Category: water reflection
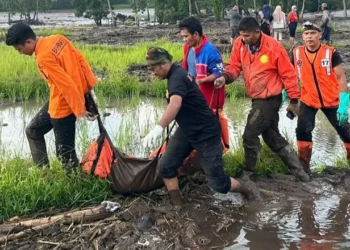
(130, 120)
(317, 223)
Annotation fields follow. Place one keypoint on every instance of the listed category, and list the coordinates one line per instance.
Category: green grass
(20, 78)
(268, 161)
(25, 189)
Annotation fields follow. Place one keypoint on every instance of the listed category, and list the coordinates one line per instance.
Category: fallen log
(30, 224)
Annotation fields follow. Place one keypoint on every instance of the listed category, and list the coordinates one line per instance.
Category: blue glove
(284, 96)
(342, 112)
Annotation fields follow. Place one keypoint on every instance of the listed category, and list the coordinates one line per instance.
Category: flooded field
(68, 18)
(293, 215)
(128, 121)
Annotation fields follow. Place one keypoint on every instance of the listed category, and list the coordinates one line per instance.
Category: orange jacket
(319, 83)
(67, 73)
(266, 72)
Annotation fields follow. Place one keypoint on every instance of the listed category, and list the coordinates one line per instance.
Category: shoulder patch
(299, 63)
(58, 47)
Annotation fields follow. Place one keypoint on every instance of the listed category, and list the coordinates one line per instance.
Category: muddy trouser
(262, 120)
(64, 131)
(210, 153)
(306, 124)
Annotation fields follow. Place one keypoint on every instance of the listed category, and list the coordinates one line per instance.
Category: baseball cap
(311, 26)
(157, 55)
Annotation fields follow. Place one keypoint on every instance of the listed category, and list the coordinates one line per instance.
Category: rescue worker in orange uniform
(323, 86)
(203, 62)
(266, 71)
(69, 78)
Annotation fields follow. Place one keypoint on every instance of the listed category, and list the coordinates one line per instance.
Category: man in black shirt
(199, 129)
(323, 86)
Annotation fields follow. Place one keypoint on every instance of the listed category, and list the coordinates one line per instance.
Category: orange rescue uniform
(266, 72)
(319, 83)
(67, 73)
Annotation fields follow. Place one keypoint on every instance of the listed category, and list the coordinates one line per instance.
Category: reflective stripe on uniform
(329, 63)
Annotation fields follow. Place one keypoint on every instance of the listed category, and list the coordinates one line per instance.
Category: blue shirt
(191, 62)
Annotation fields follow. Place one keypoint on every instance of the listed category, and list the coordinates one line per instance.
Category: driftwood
(19, 235)
(37, 223)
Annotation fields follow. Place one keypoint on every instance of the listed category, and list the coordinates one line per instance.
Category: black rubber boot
(290, 159)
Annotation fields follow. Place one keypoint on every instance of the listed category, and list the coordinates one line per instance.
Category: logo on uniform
(325, 63)
(264, 59)
(299, 63)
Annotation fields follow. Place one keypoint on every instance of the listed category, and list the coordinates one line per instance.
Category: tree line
(165, 10)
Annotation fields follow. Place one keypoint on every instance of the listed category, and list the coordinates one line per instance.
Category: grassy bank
(25, 189)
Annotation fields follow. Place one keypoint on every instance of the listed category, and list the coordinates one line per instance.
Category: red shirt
(292, 17)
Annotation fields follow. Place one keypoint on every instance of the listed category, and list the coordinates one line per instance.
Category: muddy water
(293, 215)
(316, 223)
(128, 121)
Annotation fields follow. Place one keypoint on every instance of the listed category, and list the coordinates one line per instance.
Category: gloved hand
(152, 136)
(293, 107)
(342, 112)
(93, 95)
(90, 116)
(284, 97)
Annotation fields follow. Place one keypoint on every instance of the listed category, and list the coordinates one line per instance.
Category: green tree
(170, 11)
(26, 7)
(95, 9)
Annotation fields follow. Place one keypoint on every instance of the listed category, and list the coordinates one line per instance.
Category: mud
(207, 220)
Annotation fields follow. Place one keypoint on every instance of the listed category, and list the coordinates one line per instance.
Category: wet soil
(218, 33)
(207, 220)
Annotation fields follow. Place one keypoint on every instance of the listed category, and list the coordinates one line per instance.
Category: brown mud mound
(218, 33)
(207, 220)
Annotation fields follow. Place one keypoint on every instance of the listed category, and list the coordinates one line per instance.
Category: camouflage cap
(311, 26)
(156, 55)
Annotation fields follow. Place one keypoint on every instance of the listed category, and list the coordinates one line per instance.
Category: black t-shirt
(195, 118)
(336, 58)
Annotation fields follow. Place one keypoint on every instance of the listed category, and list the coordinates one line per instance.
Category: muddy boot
(305, 152)
(175, 199)
(245, 176)
(249, 190)
(290, 159)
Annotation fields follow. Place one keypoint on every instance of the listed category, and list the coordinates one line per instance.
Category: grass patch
(25, 189)
(268, 161)
(236, 90)
(21, 80)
